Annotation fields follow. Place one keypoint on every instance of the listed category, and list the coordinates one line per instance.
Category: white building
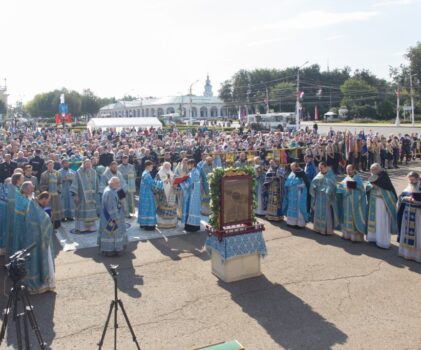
(187, 105)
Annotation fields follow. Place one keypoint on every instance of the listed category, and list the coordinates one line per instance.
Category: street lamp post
(267, 96)
(412, 99)
(191, 101)
(297, 107)
(398, 95)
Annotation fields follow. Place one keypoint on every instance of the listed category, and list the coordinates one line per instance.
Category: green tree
(129, 98)
(282, 96)
(356, 92)
(240, 88)
(47, 104)
(104, 101)
(414, 57)
(42, 104)
(90, 104)
(3, 108)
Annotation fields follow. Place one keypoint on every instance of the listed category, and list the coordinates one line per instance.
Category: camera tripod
(114, 307)
(19, 296)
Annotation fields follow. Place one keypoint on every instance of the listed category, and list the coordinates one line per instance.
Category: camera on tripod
(19, 307)
(113, 270)
(16, 268)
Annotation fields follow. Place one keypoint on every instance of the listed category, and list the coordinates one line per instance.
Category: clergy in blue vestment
(260, 179)
(39, 229)
(274, 191)
(295, 197)
(84, 190)
(112, 238)
(147, 208)
(205, 167)
(100, 169)
(191, 194)
(50, 181)
(19, 221)
(67, 176)
(13, 188)
(129, 174)
(382, 198)
(112, 171)
(409, 219)
(3, 217)
(352, 196)
(323, 201)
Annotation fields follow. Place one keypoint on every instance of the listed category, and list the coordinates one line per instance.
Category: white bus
(273, 120)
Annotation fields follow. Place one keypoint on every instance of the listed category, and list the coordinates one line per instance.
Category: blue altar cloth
(233, 246)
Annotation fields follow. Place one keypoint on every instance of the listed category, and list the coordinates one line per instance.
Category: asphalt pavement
(316, 292)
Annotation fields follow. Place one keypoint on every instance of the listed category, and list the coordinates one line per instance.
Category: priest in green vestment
(40, 276)
(84, 190)
(323, 201)
(352, 197)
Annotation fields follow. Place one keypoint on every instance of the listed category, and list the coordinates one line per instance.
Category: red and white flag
(300, 94)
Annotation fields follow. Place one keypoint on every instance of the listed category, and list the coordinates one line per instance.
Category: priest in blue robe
(352, 198)
(3, 217)
(112, 171)
(112, 238)
(409, 219)
(206, 167)
(129, 174)
(67, 177)
(39, 229)
(192, 200)
(295, 197)
(147, 207)
(50, 181)
(84, 190)
(100, 169)
(13, 188)
(323, 201)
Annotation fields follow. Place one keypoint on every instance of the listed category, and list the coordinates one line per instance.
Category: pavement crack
(338, 278)
(346, 297)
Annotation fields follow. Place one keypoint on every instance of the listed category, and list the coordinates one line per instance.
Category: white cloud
(388, 3)
(318, 19)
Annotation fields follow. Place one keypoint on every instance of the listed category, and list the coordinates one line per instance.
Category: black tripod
(114, 306)
(20, 304)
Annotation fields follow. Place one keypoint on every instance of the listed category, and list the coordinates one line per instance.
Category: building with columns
(187, 106)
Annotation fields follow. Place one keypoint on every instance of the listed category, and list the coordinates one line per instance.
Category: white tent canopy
(148, 122)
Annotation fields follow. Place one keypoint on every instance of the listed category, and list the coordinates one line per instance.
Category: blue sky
(159, 47)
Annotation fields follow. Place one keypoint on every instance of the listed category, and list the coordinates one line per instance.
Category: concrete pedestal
(235, 269)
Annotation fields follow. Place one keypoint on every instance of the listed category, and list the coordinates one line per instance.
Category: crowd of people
(58, 175)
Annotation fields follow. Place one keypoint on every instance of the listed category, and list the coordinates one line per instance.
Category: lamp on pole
(267, 96)
(191, 101)
(412, 99)
(398, 95)
(297, 107)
